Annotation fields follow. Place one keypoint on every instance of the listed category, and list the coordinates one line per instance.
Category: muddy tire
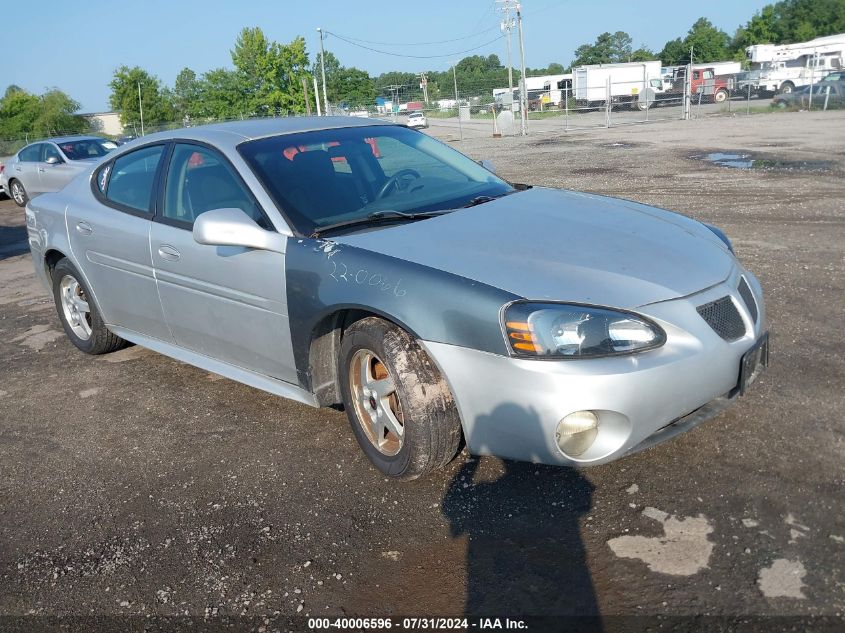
(79, 316)
(18, 192)
(399, 406)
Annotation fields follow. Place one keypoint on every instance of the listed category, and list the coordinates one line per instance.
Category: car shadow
(525, 554)
(13, 241)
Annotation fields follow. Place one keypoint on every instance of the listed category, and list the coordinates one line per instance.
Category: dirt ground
(133, 484)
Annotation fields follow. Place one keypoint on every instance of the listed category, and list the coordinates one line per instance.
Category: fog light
(577, 432)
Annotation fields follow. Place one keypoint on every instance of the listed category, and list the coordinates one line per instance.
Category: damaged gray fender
(325, 279)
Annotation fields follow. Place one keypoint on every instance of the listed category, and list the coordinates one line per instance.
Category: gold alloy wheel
(376, 402)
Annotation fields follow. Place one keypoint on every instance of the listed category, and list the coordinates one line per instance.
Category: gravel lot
(133, 484)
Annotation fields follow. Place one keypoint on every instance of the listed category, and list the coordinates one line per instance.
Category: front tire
(18, 192)
(720, 97)
(399, 406)
(79, 316)
(787, 87)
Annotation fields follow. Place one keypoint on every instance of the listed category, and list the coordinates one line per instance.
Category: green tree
(674, 52)
(186, 94)
(221, 96)
(124, 97)
(52, 113)
(270, 74)
(346, 86)
(18, 112)
(609, 48)
(708, 44)
(57, 115)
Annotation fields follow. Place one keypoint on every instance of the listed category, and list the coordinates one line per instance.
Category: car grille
(724, 318)
(748, 297)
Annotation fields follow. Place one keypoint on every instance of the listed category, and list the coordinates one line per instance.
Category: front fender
(324, 277)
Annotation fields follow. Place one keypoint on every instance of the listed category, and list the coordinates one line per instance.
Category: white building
(105, 122)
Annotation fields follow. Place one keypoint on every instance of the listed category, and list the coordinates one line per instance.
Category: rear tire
(18, 192)
(79, 316)
(399, 406)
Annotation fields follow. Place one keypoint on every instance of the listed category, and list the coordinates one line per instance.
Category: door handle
(169, 253)
(41, 169)
(84, 228)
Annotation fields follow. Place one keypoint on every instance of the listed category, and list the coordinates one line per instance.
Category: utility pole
(507, 26)
(323, 71)
(457, 103)
(424, 86)
(523, 93)
(141, 108)
(317, 96)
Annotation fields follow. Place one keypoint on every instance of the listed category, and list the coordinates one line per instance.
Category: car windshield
(87, 148)
(327, 177)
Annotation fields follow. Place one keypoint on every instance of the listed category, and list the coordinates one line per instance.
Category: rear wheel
(19, 195)
(399, 406)
(79, 316)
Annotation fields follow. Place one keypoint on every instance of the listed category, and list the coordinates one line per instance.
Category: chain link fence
(578, 106)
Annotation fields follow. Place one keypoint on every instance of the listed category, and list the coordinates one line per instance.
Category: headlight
(570, 331)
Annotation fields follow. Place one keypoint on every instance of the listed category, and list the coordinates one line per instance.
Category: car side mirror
(233, 227)
(53, 160)
(488, 165)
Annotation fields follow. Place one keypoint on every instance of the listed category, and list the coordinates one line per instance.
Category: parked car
(3, 178)
(836, 75)
(832, 91)
(417, 120)
(49, 165)
(356, 262)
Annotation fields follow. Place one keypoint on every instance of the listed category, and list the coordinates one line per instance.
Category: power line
(350, 39)
(375, 50)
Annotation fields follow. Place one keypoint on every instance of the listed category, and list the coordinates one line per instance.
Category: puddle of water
(740, 160)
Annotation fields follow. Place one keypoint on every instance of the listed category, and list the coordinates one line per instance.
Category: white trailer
(785, 67)
(621, 83)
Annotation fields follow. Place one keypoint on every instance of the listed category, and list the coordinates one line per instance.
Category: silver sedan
(342, 261)
(49, 165)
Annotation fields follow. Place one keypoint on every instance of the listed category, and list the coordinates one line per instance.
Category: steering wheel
(393, 181)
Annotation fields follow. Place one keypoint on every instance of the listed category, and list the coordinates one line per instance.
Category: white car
(417, 120)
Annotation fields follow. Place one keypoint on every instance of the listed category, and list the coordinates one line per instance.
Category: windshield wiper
(482, 199)
(377, 217)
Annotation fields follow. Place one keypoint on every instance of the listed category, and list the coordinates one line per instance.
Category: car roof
(232, 133)
(68, 139)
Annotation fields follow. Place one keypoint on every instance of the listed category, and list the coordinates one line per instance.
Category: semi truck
(636, 84)
(785, 67)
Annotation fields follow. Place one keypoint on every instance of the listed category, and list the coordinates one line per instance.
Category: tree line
(270, 78)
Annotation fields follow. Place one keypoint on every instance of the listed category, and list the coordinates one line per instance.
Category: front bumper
(511, 407)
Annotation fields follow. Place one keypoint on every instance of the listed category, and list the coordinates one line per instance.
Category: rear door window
(31, 154)
(132, 178)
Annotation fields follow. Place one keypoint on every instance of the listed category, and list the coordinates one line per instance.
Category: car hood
(563, 245)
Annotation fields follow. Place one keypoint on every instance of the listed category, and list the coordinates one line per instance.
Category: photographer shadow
(525, 555)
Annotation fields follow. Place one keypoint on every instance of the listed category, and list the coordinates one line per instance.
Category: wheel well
(323, 353)
(51, 258)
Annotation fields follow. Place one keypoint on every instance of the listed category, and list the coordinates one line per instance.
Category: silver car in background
(50, 164)
(346, 261)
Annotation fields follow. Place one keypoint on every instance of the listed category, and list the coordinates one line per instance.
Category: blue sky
(76, 46)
